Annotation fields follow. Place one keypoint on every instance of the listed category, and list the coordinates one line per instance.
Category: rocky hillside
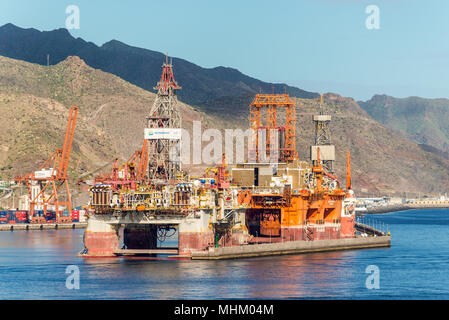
(382, 160)
(34, 101)
(424, 121)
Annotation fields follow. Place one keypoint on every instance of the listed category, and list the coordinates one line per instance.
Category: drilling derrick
(323, 141)
(272, 141)
(164, 130)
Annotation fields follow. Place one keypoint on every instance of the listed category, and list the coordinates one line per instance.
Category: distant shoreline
(386, 209)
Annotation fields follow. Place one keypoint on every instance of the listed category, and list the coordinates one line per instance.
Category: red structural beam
(167, 79)
(271, 102)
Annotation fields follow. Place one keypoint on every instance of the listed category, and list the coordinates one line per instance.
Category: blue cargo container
(4, 219)
(38, 213)
(65, 213)
(51, 216)
(11, 216)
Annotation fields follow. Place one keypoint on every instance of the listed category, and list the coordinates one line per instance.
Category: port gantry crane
(44, 184)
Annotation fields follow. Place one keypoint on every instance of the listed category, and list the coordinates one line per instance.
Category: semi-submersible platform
(253, 208)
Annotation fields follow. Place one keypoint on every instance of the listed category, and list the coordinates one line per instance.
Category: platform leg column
(347, 227)
(100, 238)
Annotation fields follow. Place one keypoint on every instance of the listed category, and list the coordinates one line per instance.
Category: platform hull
(189, 242)
(100, 244)
(347, 227)
(100, 238)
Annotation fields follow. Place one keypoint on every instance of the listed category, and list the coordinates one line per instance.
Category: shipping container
(4, 217)
(75, 214)
(50, 217)
(38, 213)
(21, 216)
(12, 216)
(82, 215)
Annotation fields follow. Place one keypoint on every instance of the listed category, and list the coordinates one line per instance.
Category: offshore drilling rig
(273, 197)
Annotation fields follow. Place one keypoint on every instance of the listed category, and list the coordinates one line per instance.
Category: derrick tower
(271, 140)
(164, 129)
(323, 141)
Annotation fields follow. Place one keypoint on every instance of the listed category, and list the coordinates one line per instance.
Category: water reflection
(270, 277)
(33, 263)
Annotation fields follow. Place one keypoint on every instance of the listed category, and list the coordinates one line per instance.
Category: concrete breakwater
(292, 247)
(402, 207)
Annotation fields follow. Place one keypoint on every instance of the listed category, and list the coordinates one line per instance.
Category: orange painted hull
(302, 217)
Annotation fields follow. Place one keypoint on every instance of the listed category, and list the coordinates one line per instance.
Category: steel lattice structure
(323, 135)
(164, 154)
(52, 178)
(286, 151)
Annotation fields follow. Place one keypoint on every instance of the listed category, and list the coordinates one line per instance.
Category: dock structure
(42, 226)
(292, 247)
(368, 230)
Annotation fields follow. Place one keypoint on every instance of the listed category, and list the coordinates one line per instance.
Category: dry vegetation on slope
(34, 103)
(382, 161)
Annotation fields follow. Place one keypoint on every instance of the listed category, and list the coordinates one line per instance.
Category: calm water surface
(33, 264)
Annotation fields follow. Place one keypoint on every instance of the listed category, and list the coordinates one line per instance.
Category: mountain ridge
(421, 120)
(385, 159)
(138, 66)
(35, 101)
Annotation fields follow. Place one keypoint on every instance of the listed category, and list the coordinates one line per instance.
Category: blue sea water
(33, 266)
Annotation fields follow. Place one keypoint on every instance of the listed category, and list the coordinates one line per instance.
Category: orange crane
(348, 171)
(139, 159)
(131, 172)
(44, 184)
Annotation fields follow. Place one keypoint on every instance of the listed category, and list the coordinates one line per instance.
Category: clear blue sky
(317, 45)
